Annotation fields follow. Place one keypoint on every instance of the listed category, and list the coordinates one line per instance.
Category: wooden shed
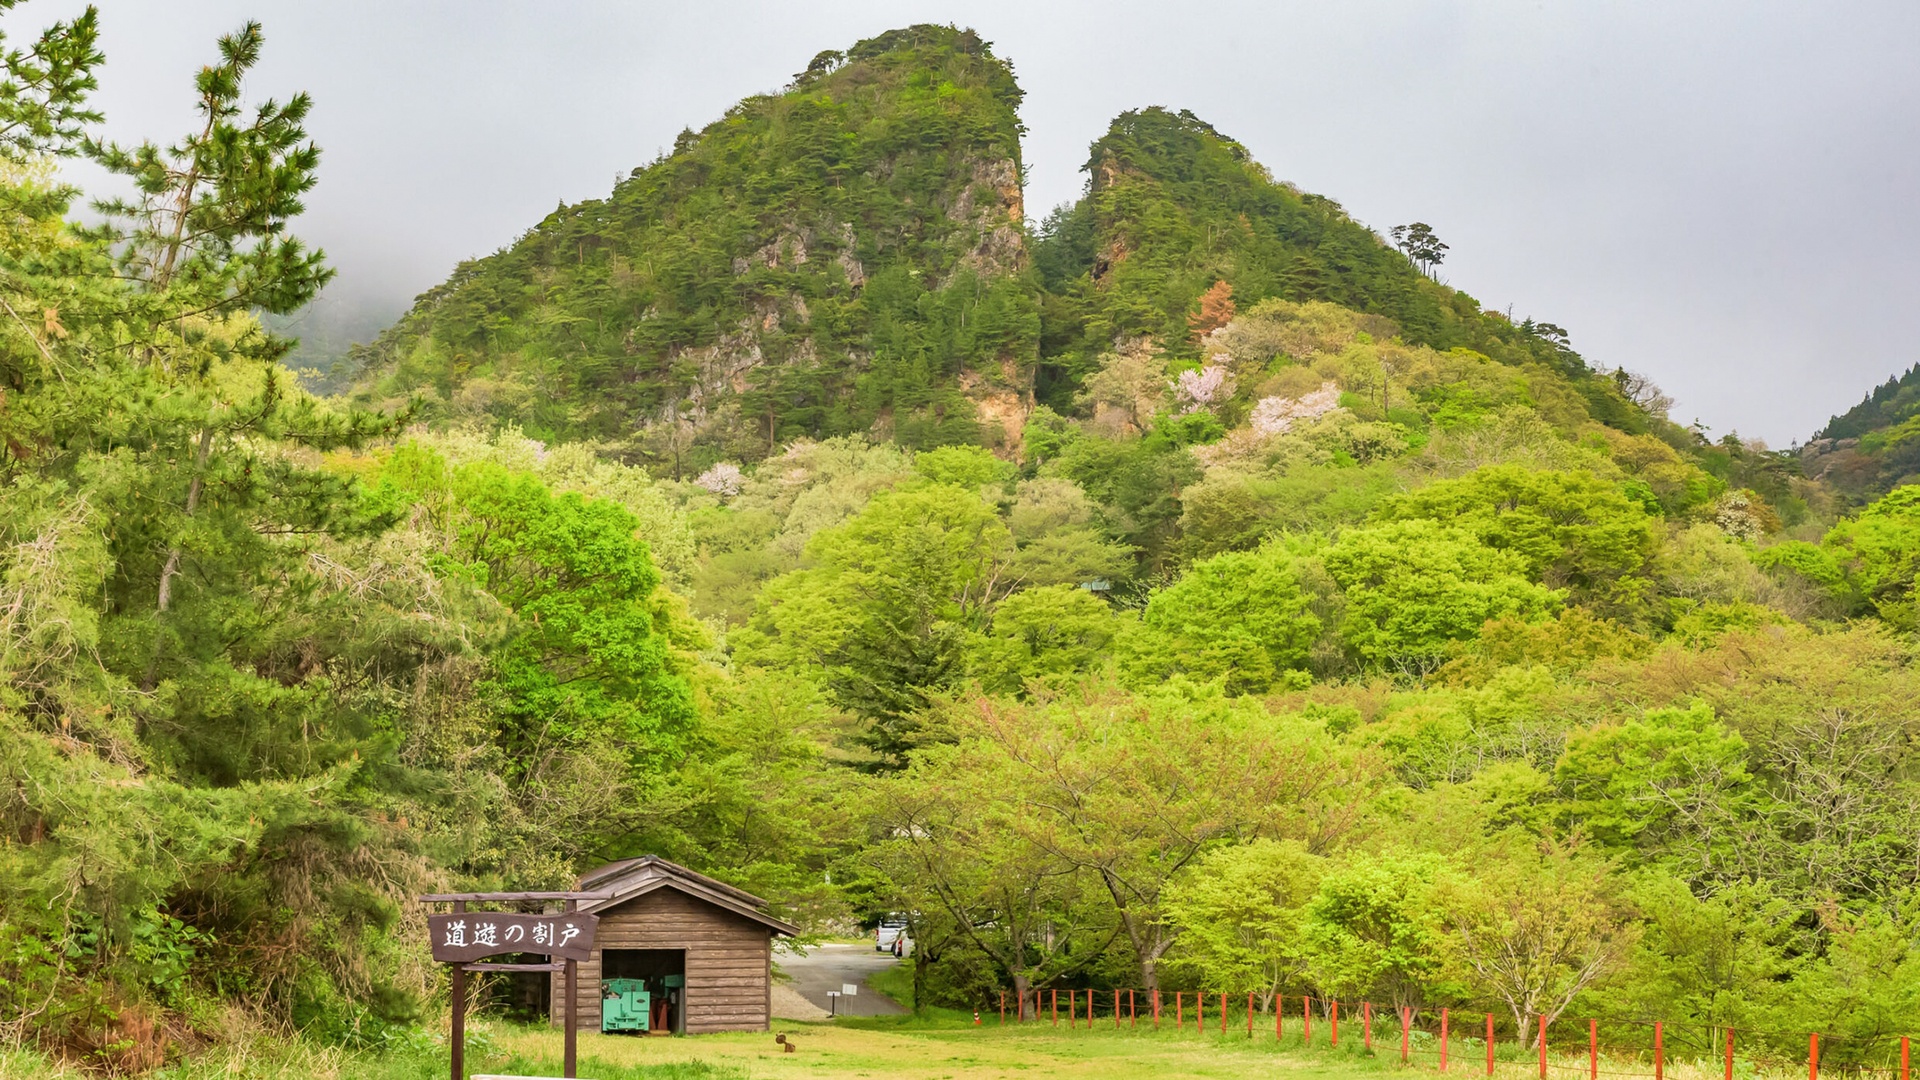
(664, 921)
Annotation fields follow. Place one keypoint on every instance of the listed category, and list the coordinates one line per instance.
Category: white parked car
(891, 929)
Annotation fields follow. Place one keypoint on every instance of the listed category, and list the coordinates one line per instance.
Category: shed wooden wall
(729, 984)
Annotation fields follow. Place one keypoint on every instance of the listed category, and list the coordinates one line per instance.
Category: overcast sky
(1721, 195)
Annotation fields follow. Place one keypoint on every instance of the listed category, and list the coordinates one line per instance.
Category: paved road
(828, 967)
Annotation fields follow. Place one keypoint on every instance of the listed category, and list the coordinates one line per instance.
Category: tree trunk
(922, 960)
(1149, 940)
(171, 568)
(1022, 986)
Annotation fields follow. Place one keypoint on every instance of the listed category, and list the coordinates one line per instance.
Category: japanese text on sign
(475, 934)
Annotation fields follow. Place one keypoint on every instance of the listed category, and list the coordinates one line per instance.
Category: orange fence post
(1366, 1023)
(1279, 1016)
(1200, 1013)
(1489, 1044)
(1659, 1051)
(1003, 1008)
(1543, 1046)
(1905, 1055)
(1179, 1018)
(1306, 1020)
(1813, 1056)
(1730, 1055)
(1156, 1008)
(1336, 1024)
(1056, 1006)
(1443, 1040)
(1406, 1026)
(1116, 1006)
(1133, 1015)
(1089, 1010)
(1249, 1016)
(1223, 1012)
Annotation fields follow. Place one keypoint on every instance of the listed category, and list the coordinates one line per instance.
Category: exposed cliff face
(847, 255)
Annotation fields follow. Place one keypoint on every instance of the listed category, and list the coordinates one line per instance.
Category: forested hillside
(845, 256)
(1871, 449)
(1190, 592)
(1175, 210)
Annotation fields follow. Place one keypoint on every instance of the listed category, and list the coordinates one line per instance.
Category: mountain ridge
(853, 255)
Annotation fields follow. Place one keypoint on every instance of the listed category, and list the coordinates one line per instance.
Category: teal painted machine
(625, 1005)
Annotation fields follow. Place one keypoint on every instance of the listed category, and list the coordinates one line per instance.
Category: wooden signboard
(467, 936)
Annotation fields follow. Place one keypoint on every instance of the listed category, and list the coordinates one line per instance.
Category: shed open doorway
(663, 975)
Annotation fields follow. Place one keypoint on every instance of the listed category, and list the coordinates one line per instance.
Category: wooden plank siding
(728, 967)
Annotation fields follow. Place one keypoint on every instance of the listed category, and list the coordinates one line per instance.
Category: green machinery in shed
(641, 1005)
(625, 1005)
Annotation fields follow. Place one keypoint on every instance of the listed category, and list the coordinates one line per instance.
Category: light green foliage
(1231, 510)
(1671, 785)
(951, 844)
(761, 532)
(1723, 957)
(1879, 551)
(1239, 911)
(1573, 530)
(1536, 924)
(1372, 930)
(884, 611)
(1135, 481)
(816, 485)
(573, 467)
(1701, 564)
(1872, 978)
(1121, 791)
(589, 657)
(1060, 542)
(1703, 624)
(1810, 561)
(1571, 641)
(1049, 634)
(1241, 616)
(1414, 587)
(760, 801)
(962, 466)
(1452, 738)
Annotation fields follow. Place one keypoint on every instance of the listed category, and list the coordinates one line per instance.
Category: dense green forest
(1185, 592)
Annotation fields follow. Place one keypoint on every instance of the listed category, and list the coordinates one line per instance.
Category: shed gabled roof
(631, 878)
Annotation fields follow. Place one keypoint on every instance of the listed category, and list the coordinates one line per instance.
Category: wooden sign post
(462, 937)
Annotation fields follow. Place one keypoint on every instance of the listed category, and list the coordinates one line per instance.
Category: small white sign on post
(850, 989)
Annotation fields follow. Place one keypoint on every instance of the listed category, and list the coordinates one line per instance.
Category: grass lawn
(943, 1048)
(921, 1050)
